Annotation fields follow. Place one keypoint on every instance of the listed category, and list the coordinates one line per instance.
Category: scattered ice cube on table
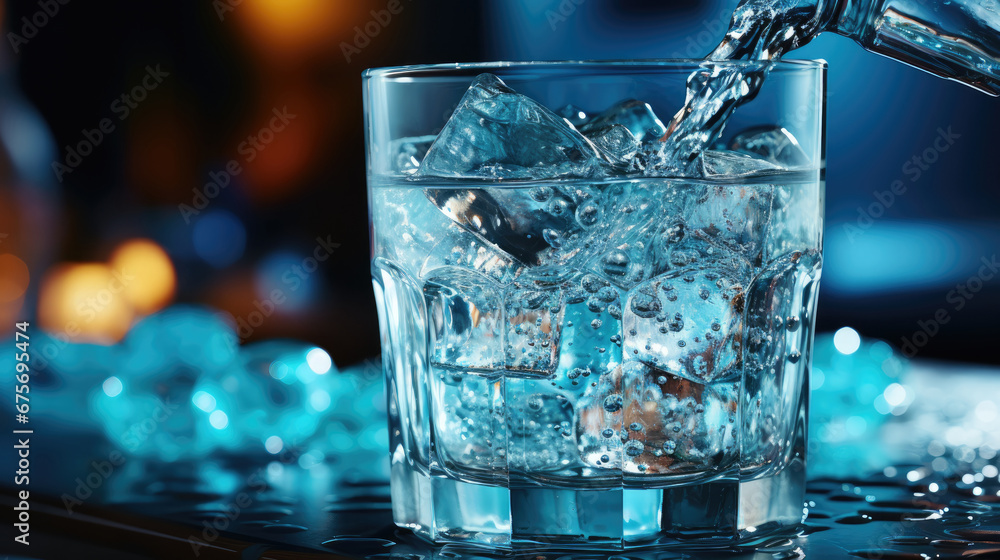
(276, 391)
(161, 359)
(773, 143)
(499, 134)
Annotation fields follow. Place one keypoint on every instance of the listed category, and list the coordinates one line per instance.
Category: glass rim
(650, 65)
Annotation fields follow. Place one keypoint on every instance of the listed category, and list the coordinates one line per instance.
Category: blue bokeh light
(219, 238)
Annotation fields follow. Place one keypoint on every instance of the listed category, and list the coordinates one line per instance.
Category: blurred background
(184, 89)
(168, 166)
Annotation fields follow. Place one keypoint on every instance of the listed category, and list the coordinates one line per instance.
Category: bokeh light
(274, 445)
(847, 340)
(290, 25)
(14, 278)
(153, 280)
(219, 238)
(84, 303)
(112, 386)
(283, 271)
(219, 420)
(319, 361)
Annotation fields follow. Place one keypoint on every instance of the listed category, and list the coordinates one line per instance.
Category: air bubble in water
(613, 403)
(552, 237)
(634, 448)
(558, 207)
(535, 403)
(588, 214)
(616, 263)
(541, 194)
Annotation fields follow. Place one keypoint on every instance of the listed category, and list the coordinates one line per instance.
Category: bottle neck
(847, 17)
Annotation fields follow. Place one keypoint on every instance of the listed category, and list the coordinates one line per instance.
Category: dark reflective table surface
(101, 505)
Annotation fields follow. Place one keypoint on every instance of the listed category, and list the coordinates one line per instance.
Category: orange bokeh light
(291, 25)
(152, 280)
(14, 278)
(85, 302)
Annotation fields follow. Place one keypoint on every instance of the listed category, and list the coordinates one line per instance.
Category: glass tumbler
(590, 359)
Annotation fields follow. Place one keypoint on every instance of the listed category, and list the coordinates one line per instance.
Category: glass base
(717, 514)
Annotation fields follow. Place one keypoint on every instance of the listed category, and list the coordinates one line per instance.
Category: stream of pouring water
(760, 30)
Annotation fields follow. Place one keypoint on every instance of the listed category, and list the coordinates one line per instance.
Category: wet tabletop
(939, 497)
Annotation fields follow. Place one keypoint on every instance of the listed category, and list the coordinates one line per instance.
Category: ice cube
(424, 240)
(598, 422)
(524, 223)
(464, 312)
(274, 392)
(773, 143)
(616, 142)
(575, 115)
(161, 360)
(497, 133)
(533, 322)
(733, 219)
(408, 152)
(541, 434)
(470, 433)
(688, 322)
(801, 224)
(674, 425)
(591, 332)
(778, 303)
(716, 163)
(634, 115)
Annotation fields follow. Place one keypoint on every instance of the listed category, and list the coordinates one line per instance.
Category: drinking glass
(603, 360)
